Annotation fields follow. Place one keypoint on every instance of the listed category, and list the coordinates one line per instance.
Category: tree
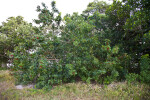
(41, 66)
(130, 24)
(77, 53)
(49, 20)
(89, 55)
(82, 49)
(96, 5)
(13, 32)
(117, 14)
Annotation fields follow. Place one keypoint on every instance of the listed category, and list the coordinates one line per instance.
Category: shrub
(80, 52)
(145, 69)
(51, 63)
(131, 77)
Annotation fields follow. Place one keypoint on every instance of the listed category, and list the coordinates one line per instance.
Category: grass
(73, 91)
(3, 68)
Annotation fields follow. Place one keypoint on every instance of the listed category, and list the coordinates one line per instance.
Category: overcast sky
(27, 8)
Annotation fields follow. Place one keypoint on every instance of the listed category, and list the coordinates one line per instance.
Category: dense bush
(95, 60)
(145, 69)
(88, 47)
(131, 77)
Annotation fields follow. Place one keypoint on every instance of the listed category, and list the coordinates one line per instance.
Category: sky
(27, 8)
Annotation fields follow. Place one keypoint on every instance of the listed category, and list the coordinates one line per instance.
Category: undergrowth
(73, 91)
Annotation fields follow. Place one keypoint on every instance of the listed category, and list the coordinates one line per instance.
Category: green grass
(3, 68)
(74, 91)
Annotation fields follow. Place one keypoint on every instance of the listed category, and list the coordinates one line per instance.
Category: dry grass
(74, 91)
(6, 82)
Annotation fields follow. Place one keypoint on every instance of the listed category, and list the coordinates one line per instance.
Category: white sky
(27, 8)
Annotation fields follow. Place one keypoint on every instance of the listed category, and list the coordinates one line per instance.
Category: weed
(73, 91)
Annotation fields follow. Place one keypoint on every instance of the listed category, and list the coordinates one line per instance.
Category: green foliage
(113, 91)
(35, 59)
(80, 54)
(96, 5)
(131, 77)
(129, 24)
(145, 69)
(92, 61)
(95, 47)
(12, 32)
